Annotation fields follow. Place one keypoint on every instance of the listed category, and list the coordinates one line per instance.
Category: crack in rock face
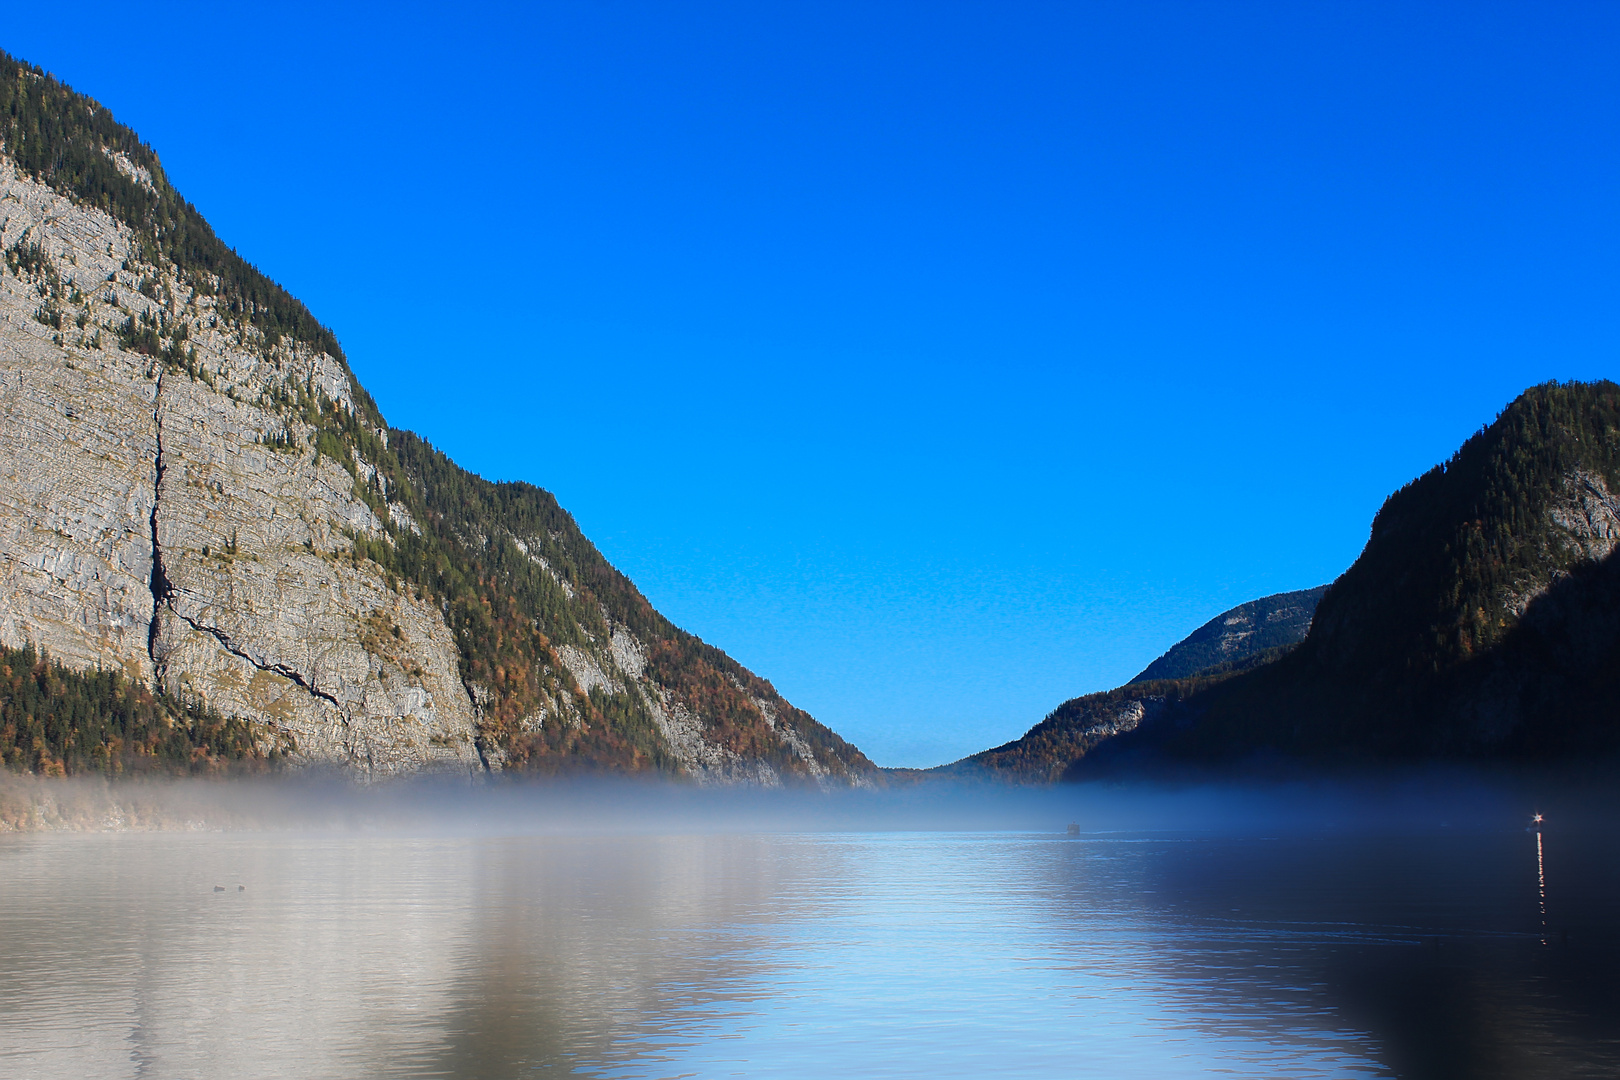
(283, 670)
(140, 486)
(161, 588)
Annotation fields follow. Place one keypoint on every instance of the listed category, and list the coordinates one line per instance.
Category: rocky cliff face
(151, 520)
(1583, 526)
(194, 490)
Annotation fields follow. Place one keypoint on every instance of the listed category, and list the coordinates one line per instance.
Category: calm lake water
(914, 954)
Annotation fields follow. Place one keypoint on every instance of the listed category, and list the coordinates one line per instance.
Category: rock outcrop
(152, 521)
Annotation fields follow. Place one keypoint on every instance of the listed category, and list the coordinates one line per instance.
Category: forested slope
(1482, 620)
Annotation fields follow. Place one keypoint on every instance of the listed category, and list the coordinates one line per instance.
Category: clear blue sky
(938, 361)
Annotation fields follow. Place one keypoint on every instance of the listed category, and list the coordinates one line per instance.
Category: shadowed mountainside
(1482, 620)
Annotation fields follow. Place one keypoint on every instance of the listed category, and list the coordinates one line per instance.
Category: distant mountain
(1248, 636)
(1230, 639)
(1482, 620)
(208, 529)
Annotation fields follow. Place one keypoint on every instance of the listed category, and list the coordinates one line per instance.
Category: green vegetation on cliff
(520, 580)
(66, 140)
(1480, 619)
(55, 721)
(1453, 553)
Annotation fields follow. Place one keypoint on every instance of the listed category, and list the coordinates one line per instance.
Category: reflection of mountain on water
(363, 956)
(593, 952)
(1422, 952)
(1416, 952)
(123, 961)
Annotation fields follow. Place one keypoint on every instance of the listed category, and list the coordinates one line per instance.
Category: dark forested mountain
(1481, 620)
(197, 494)
(1248, 633)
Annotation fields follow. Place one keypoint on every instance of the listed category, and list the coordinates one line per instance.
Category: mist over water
(1375, 927)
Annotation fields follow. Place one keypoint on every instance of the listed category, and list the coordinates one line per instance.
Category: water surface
(807, 955)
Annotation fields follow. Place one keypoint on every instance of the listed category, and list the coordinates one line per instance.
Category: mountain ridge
(1280, 620)
(1481, 621)
(196, 492)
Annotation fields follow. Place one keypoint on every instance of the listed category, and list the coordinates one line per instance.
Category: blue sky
(938, 361)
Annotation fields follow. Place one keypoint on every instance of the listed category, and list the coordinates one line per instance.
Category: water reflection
(868, 954)
(1427, 954)
(1541, 879)
(607, 951)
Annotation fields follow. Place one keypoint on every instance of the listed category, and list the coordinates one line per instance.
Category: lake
(706, 948)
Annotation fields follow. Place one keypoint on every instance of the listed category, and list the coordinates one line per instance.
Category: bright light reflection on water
(788, 955)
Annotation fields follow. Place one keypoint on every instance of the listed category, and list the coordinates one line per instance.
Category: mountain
(1481, 621)
(1248, 636)
(199, 503)
(1238, 637)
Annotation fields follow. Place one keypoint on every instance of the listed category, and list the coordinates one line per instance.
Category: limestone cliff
(195, 490)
